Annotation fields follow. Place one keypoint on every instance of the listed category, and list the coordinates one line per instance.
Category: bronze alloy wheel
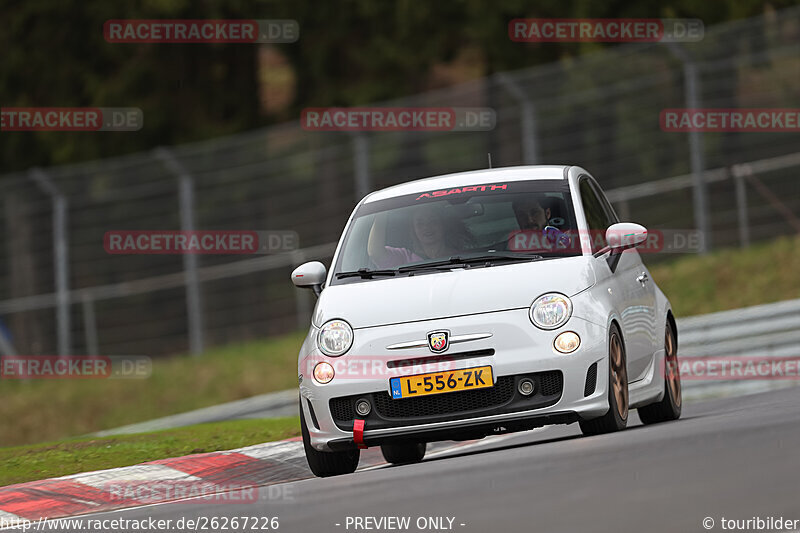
(669, 406)
(616, 418)
(619, 376)
(673, 371)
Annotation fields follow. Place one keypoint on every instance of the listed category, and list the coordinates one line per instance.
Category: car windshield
(491, 223)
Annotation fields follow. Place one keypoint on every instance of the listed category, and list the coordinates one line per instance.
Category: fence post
(361, 163)
(530, 148)
(90, 325)
(739, 173)
(60, 258)
(691, 86)
(194, 309)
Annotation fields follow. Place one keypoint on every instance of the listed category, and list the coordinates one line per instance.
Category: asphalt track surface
(736, 458)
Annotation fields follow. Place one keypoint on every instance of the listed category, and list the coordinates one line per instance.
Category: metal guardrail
(769, 330)
(761, 330)
(274, 404)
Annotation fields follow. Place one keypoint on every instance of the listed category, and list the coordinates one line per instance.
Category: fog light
(323, 373)
(363, 407)
(567, 342)
(525, 387)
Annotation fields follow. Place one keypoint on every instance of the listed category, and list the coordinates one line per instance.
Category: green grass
(732, 278)
(37, 411)
(45, 410)
(53, 459)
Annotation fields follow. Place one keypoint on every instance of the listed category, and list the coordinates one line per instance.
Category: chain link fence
(60, 292)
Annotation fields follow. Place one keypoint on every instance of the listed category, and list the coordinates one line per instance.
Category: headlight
(550, 311)
(335, 338)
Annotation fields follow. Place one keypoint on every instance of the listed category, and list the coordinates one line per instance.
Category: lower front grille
(550, 383)
(503, 397)
(342, 409)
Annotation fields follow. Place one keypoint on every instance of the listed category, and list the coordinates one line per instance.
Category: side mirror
(624, 235)
(310, 275)
(620, 237)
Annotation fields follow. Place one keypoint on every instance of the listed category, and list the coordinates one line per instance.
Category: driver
(533, 220)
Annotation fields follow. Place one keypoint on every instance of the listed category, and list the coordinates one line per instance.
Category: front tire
(616, 418)
(326, 464)
(403, 452)
(669, 408)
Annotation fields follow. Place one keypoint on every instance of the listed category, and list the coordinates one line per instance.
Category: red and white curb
(116, 488)
(225, 473)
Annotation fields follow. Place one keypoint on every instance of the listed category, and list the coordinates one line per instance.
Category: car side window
(611, 215)
(597, 218)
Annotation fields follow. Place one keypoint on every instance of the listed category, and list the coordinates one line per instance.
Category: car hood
(427, 296)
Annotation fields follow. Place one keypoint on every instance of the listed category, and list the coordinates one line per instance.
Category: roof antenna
(490, 158)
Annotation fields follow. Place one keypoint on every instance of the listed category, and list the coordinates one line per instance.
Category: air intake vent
(591, 380)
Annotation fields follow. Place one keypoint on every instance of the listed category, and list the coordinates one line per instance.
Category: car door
(632, 292)
(641, 309)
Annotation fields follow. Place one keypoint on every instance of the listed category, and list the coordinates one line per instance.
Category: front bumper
(515, 349)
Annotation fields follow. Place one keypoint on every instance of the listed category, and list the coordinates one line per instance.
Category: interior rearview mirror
(462, 211)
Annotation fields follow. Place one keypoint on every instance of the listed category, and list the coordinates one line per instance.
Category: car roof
(473, 177)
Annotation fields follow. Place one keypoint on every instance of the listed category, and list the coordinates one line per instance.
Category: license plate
(440, 382)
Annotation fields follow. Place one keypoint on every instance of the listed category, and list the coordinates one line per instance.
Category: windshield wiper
(458, 260)
(453, 262)
(365, 273)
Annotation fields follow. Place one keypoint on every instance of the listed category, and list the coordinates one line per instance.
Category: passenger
(430, 236)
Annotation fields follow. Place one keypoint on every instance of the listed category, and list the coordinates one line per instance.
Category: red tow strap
(358, 433)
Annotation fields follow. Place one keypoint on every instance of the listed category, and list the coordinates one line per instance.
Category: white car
(479, 303)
